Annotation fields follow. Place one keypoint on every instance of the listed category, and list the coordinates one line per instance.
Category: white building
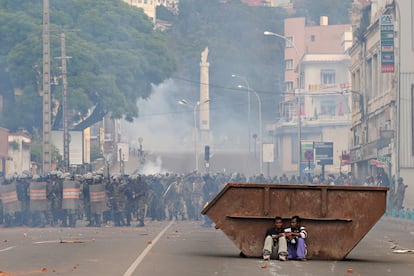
(150, 6)
(19, 153)
(382, 71)
(405, 101)
(317, 79)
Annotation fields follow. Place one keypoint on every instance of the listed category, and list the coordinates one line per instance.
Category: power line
(187, 111)
(235, 89)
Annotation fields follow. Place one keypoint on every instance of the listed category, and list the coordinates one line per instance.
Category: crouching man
(275, 244)
(296, 236)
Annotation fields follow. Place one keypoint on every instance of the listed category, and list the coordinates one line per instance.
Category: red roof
(364, 2)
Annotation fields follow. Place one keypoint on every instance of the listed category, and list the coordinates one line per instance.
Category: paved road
(184, 248)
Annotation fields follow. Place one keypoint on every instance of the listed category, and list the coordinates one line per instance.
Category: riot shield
(98, 199)
(71, 195)
(9, 199)
(38, 200)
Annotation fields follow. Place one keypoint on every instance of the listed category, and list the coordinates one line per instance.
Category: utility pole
(66, 138)
(47, 146)
(64, 104)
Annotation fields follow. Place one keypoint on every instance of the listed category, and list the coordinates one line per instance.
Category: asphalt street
(186, 248)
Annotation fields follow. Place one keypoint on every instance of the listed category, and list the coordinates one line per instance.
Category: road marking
(61, 241)
(8, 248)
(136, 263)
(43, 242)
(403, 251)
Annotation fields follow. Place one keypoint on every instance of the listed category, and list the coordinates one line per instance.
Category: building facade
(19, 154)
(316, 106)
(150, 6)
(4, 150)
(382, 75)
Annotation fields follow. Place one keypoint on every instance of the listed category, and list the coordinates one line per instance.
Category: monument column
(204, 123)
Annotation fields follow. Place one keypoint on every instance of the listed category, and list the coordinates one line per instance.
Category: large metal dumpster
(337, 217)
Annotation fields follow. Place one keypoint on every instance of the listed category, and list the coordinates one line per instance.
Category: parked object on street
(337, 217)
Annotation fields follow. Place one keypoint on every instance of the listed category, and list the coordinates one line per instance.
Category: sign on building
(307, 154)
(323, 152)
(387, 44)
(76, 145)
(268, 153)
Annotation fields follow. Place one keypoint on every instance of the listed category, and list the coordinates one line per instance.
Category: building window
(289, 64)
(368, 78)
(312, 38)
(357, 86)
(328, 107)
(356, 140)
(289, 42)
(327, 76)
(375, 74)
(289, 86)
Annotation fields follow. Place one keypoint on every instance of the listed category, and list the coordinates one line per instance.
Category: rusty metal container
(336, 217)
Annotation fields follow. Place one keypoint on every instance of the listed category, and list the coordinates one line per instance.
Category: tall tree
(336, 10)
(233, 32)
(116, 56)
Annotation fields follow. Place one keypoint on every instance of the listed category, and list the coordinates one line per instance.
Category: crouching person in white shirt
(275, 244)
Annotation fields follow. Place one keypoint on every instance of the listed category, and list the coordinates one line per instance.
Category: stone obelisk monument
(204, 122)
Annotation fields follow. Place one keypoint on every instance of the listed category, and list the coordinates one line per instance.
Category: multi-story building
(150, 6)
(19, 152)
(382, 73)
(316, 103)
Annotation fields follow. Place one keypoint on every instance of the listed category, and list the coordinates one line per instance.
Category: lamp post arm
(294, 47)
(194, 107)
(298, 95)
(285, 39)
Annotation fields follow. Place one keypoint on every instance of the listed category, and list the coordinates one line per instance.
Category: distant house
(382, 70)
(150, 6)
(19, 153)
(4, 149)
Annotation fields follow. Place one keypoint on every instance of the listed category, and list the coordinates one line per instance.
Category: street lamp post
(194, 107)
(249, 132)
(298, 95)
(259, 101)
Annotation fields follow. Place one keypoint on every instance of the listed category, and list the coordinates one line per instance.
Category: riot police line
(65, 200)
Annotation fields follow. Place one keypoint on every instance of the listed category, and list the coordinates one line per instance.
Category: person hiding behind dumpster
(296, 236)
(275, 245)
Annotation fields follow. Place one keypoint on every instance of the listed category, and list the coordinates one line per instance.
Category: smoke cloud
(166, 128)
(162, 123)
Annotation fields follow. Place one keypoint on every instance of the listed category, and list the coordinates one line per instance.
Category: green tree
(116, 56)
(233, 32)
(336, 10)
